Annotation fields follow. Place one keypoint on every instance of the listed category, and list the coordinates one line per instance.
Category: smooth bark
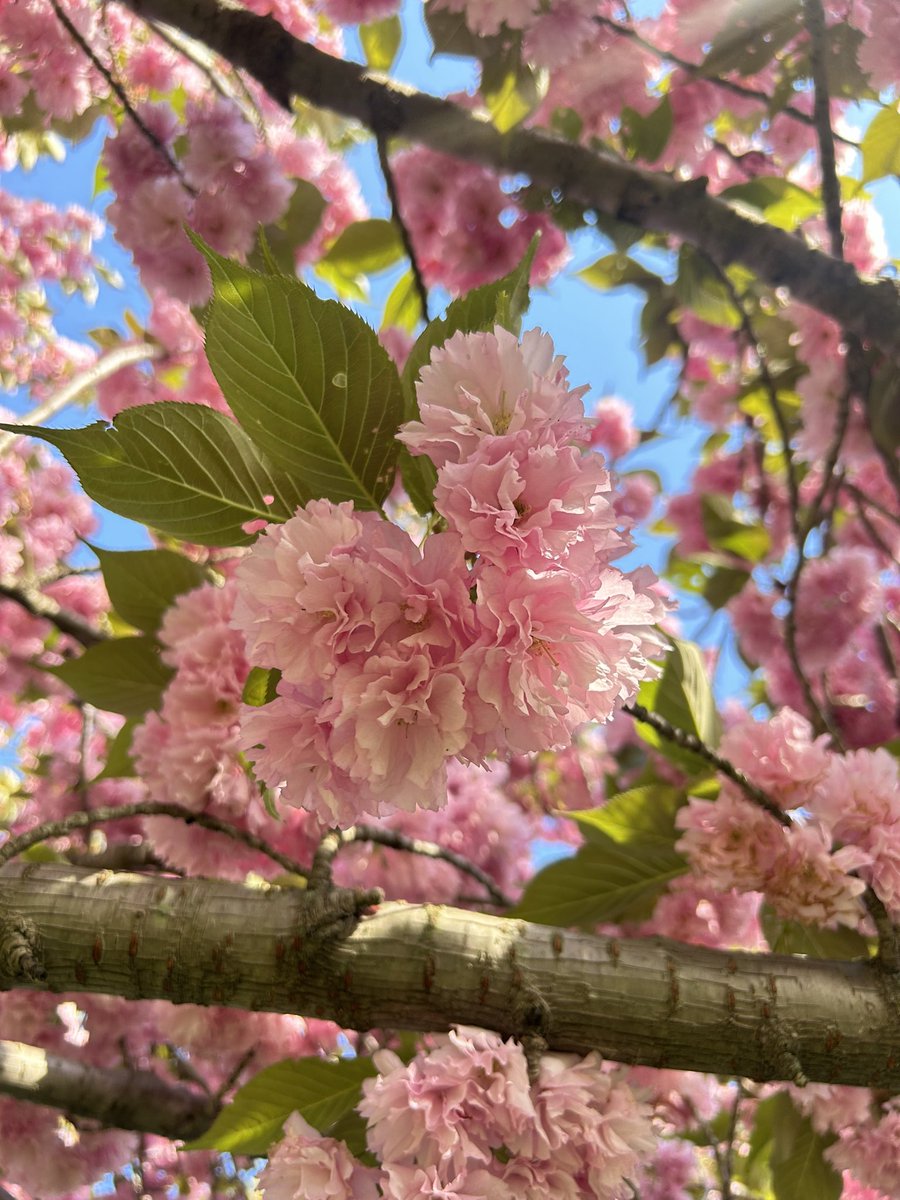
(423, 967)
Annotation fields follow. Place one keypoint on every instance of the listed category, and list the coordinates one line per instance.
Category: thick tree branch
(417, 966)
(288, 68)
(117, 1098)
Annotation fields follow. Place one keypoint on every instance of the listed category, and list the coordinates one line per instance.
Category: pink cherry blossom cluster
(39, 245)
(462, 1119)
(188, 752)
(847, 801)
(42, 518)
(870, 1151)
(229, 183)
(845, 615)
(465, 228)
(51, 68)
(503, 633)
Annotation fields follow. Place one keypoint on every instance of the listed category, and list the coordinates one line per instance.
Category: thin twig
(873, 534)
(888, 934)
(116, 88)
(337, 839)
(864, 498)
(43, 607)
(103, 368)
(405, 236)
(200, 57)
(234, 1074)
(814, 19)
(728, 1150)
(756, 348)
(696, 70)
(690, 741)
(82, 784)
(145, 808)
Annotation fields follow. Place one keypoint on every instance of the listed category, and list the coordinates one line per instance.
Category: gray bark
(423, 967)
(288, 68)
(115, 1098)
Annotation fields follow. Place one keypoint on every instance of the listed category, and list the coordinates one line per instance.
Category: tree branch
(288, 68)
(117, 1097)
(423, 967)
(145, 808)
(696, 71)
(690, 741)
(109, 364)
(46, 609)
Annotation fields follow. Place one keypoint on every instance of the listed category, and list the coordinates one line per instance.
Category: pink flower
(614, 427)
(729, 841)
(837, 595)
(530, 498)
(779, 755)
(554, 653)
(450, 1106)
(871, 1153)
(306, 1166)
(395, 721)
(486, 384)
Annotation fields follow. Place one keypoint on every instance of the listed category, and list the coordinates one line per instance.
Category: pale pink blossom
(451, 1106)
(530, 498)
(779, 755)
(871, 1153)
(306, 1166)
(482, 385)
(614, 427)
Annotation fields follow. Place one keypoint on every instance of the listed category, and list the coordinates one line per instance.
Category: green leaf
(403, 307)
(723, 584)
(511, 89)
(183, 469)
(285, 236)
(123, 675)
(380, 41)
(324, 1093)
(308, 380)
(616, 270)
(419, 479)
(364, 248)
(606, 880)
(701, 289)
(793, 937)
(142, 584)
(752, 35)
(642, 814)
(451, 35)
(781, 202)
(728, 530)
(622, 234)
(646, 136)
(881, 145)
(683, 697)
(754, 1168)
(119, 763)
(101, 179)
(500, 303)
(261, 686)
(799, 1169)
